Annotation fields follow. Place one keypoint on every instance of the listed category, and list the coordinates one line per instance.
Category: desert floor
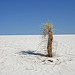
(26, 55)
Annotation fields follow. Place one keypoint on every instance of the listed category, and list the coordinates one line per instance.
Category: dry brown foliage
(47, 28)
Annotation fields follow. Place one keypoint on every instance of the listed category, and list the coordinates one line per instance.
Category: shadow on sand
(30, 53)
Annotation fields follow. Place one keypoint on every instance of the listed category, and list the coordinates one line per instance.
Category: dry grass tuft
(47, 28)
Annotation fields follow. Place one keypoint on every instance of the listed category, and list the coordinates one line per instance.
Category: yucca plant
(47, 30)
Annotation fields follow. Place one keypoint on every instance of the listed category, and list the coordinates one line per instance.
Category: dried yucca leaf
(46, 28)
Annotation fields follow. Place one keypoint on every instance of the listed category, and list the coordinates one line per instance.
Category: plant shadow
(31, 53)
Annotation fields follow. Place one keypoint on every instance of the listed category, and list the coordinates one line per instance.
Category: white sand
(24, 55)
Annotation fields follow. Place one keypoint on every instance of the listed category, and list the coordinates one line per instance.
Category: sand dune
(26, 55)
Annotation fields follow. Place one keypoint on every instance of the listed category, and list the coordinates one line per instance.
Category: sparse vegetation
(47, 30)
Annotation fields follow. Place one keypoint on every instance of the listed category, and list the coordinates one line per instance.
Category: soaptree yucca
(47, 30)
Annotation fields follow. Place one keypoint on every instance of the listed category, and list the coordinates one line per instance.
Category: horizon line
(40, 34)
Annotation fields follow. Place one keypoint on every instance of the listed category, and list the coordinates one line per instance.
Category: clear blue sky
(27, 16)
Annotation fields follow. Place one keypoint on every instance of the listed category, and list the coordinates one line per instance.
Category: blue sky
(27, 16)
